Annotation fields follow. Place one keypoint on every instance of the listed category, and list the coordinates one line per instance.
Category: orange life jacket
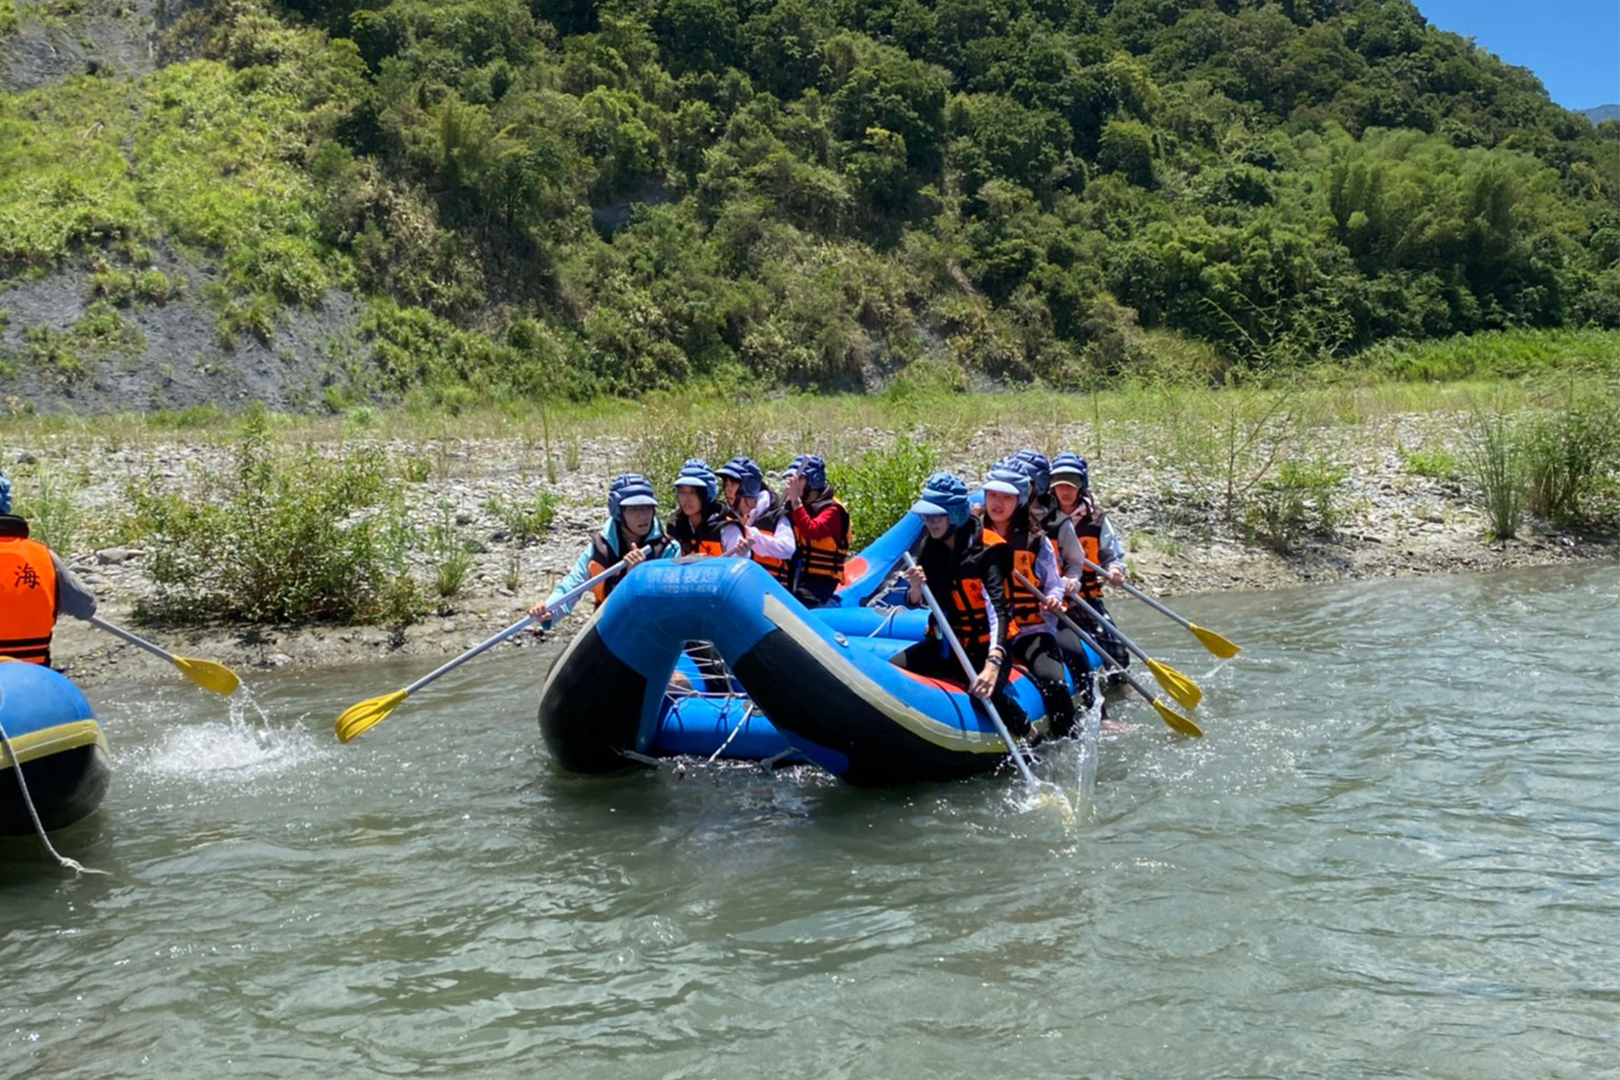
(1088, 530)
(603, 556)
(705, 538)
(825, 557)
(1026, 605)
(966, 601)
(27, 600)
(780, 569)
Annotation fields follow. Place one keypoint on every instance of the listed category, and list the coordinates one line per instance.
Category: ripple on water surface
(1394, 855)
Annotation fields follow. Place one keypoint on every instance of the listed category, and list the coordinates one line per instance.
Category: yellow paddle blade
(357, 718)
(1177, 685)
(1216, 644)
(1178, 723)
(216, 678)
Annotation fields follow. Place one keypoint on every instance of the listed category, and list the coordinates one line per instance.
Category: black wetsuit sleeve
(997, 574)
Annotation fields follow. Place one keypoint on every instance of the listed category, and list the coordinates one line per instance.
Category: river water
(1397, 854)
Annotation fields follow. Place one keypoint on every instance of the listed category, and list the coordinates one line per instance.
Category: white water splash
(1090, 739)
(234, 750)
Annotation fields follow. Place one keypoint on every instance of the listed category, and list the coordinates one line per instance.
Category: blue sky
(1573, 46)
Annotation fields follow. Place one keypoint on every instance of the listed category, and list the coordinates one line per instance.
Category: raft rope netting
(28, 801)
(712, 670)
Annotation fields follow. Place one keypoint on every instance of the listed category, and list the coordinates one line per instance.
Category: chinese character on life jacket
(26, 576)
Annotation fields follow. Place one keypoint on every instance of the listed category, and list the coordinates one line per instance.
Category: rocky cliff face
(65, 348)
(95, 335)
(105, 37)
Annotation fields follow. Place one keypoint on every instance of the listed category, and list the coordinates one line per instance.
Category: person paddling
(36, 588)
(968, 569)
(631, 527)
(1034, 643)
(1071, 486)
(1045, 511)
(762, 529)
(821, 526)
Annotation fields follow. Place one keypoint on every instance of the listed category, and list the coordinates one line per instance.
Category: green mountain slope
(497, 198)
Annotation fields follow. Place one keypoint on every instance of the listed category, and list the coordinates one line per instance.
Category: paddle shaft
(967, 669)
(516, 627)
(1142, 596)
(1096, 646)
(1113, 627)
(117, 631)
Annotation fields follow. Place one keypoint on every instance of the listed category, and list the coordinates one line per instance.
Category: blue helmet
(793, 468)
(1071, 469)
(696, 473)
(944, 493)
(814, 471)
(745, 472)
(5, 494)
(629, 489)
(1037, 468)
(1008, 479)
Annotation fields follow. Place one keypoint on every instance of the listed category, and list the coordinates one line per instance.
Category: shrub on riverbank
(879, 486)
(268, 541)
(1301, 500)
(1572, 455)
(1560, 462)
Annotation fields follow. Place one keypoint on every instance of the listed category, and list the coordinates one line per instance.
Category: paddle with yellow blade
(366, 714)
(216, 678)
(1177, 685)
(1178, 723)
(1212, 641)
(949, 635)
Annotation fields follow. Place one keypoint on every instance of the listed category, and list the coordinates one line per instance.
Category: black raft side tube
(828, 703)
(66, 786)
(587, 678)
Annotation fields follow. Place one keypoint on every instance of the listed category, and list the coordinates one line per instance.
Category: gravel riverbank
(1392, 522)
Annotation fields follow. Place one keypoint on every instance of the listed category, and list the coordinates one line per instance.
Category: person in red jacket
(822, 527)
(35, 588)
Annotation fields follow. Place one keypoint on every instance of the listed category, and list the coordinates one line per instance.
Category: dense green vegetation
(562, 197)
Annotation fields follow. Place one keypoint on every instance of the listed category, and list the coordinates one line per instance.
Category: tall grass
(451, 554)
(672, 429)
(1572, 452)
(48, 497)
(1507, 354)
(1496, 465)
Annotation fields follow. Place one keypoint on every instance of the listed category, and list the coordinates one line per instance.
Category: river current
(1396, 854)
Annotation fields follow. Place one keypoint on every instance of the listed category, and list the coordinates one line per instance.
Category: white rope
(28, 801)
(748, 710)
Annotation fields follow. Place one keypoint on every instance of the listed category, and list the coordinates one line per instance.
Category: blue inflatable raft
(59, 745)
(817, 682)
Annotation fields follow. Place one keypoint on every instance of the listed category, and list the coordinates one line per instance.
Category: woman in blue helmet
(35, 588)
(700, 517)
(762, 531)
(1034, 642)
(822, 526)
(632, 526)
(1071, 487)
(1044, 511)
(968, 569)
